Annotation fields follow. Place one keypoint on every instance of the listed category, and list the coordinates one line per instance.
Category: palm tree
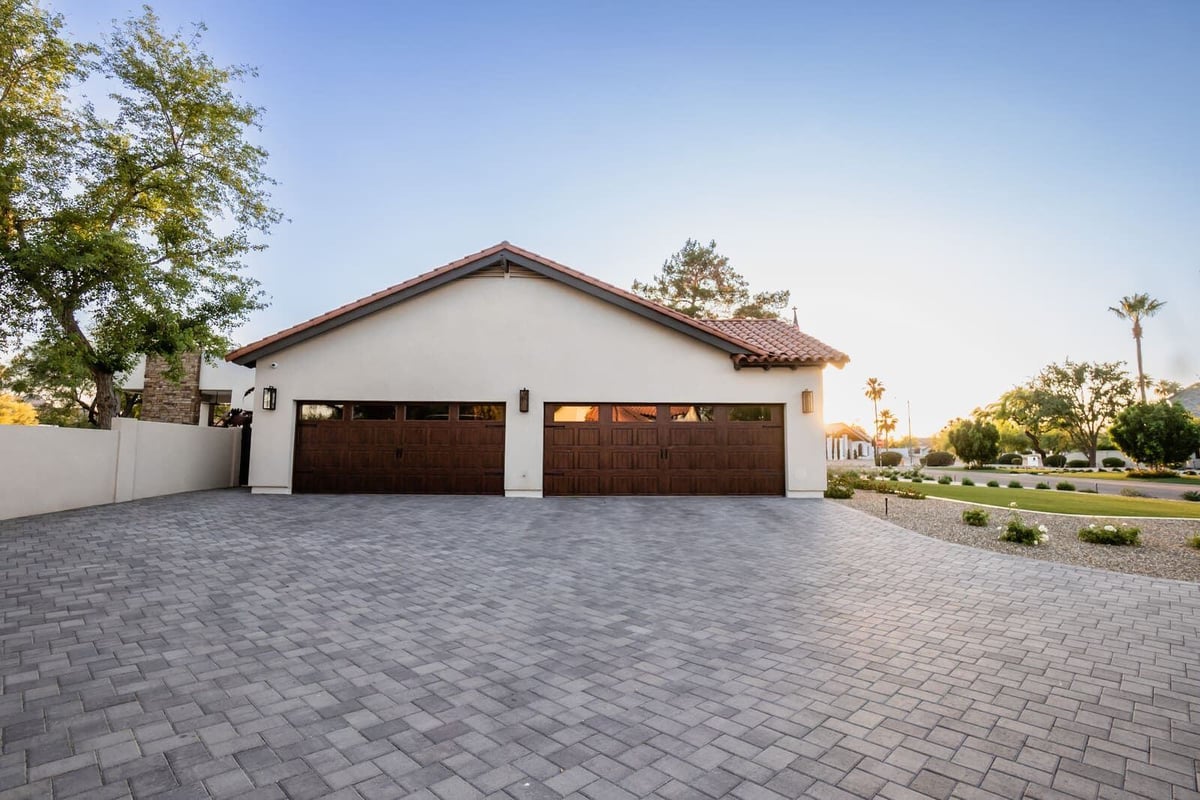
(875, 390)
(1166, 389)
(1134, 308)
(887, 425)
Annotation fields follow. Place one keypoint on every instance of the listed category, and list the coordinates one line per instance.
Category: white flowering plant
(1116, 535)
(1018, 532)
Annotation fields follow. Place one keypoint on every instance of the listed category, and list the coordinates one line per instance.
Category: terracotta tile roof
(760, 350)
(778, 342)
(852, 431)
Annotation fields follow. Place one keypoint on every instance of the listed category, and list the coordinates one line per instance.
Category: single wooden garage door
(694, 448)
(399, 448)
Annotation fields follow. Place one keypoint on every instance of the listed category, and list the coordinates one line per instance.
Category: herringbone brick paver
(225, 645)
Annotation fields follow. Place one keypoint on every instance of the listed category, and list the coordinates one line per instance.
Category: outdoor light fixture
(524, 401)
(806, 401)
(269, 398)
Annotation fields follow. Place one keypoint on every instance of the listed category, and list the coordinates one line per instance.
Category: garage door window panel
(750, 413)
(693, 413)
(427, 412)
(481, 412)
(374, 412)
(321, 412)
(575, 414)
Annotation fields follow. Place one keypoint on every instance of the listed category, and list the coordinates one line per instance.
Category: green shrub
(1009, 459)
(1194, 542)
(968, 482)
(1133, 493)
(894, 477)
(917, 479)
(1015, 485)
(1078, 462)
(1042, 485)
(1191, 497)
(1056, 460)
(1110, 534)
(1113, 461)
(994, 484)
(890, 458)
(939, 458)
(1065, 486)
(975, 517)
(1019, 533)
(945, 480)
(840, 486)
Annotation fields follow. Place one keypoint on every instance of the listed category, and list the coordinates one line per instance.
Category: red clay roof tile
(779, 342)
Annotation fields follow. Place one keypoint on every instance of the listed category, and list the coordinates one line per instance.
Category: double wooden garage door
(589, 449)
(686, 449)
(399, 448)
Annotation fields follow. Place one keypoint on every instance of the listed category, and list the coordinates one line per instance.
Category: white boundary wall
(44, 469)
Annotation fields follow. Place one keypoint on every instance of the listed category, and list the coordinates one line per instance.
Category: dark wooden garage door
(610, 449)
(399, 448)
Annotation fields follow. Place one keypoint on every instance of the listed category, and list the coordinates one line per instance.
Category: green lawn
(1099, 505)
(1182, 480)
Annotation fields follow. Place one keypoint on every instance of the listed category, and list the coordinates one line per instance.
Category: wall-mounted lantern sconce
(806, 401)
(524, 401)
(269, 399)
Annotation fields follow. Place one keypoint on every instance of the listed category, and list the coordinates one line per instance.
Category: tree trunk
(875, 441)
(1141, 377)
(106, 398)
(1037, 446)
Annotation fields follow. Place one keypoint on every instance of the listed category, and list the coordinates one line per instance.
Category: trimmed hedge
(1009, 459)
(1078, 462)
(1112, 461)
(939, 458)
(1056, 460)
(890, 458)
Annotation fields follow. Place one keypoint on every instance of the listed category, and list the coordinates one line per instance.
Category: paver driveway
(223, 645)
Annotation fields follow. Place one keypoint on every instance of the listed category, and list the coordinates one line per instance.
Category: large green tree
(700, 282)
(124, 233)
(975, 441)
(1158, 434)
(1135, 308)
(1083, 399)
(1033, 412)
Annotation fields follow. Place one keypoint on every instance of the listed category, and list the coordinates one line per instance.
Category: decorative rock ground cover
(1163, 553)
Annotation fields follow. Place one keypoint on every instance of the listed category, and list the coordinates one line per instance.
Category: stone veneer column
(164, 400)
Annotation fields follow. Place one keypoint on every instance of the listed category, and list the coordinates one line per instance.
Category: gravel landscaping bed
(1164, 552)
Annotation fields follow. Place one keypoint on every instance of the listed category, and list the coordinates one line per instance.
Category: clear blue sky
(954, 192)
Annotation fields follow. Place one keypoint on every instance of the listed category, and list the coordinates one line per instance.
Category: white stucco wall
(44, 469)
(482, 339)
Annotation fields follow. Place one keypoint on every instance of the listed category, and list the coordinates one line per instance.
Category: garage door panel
(397, 455)
(665, 449)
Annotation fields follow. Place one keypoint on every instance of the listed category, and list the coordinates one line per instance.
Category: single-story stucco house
(507, 373)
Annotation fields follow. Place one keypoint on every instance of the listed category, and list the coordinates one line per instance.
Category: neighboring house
(507, 373)
(1189, 398)
(847, 443)
(203, 394)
